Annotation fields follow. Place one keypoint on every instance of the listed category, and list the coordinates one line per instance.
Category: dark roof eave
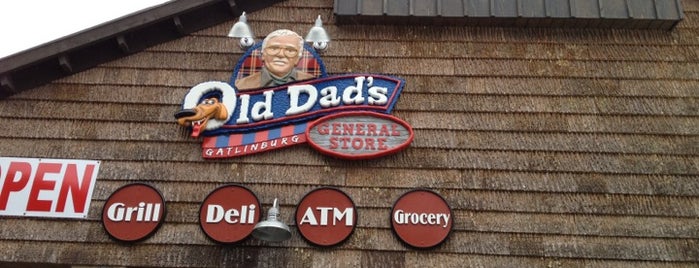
(654, 15)
(115, 39)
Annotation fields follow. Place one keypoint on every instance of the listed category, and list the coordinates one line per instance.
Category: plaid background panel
(253, 63)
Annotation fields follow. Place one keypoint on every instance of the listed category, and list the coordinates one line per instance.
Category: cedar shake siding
(554, 147)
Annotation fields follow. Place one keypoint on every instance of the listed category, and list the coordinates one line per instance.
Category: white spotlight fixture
(241, 30)
(318, 36)
(272, 230)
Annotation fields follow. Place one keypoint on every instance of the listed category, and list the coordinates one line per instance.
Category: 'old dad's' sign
(277, 90)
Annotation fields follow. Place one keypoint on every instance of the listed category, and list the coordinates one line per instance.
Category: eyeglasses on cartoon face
(288, 51)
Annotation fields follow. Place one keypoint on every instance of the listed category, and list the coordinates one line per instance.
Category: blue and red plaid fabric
(253, 63)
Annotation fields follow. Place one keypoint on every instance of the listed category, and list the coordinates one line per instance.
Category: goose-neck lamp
(241, 30)
(318, 36)
(272, 230)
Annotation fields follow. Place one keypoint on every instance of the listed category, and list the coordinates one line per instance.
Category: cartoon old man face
(281, 52)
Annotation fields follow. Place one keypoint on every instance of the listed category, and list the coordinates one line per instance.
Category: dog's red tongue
(196, 129)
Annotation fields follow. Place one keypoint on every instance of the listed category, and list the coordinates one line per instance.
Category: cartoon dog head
(210, 113)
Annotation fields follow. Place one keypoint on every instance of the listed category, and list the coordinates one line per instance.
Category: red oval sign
(359, 135)
(326, 216)
(133, 212)
(229, 214)
(421, 219)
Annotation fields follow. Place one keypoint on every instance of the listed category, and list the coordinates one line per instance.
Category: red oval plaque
(229, 214)
(359, 135)
(326, 216)
(421, 218)
(133, 212)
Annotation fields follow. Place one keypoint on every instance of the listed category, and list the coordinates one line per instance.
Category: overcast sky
(28, 23)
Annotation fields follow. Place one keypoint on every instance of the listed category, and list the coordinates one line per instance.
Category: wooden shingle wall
(554, 148)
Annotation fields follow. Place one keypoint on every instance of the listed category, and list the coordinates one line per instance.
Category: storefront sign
(326, 216)
(359, 135)
(133, 212)
(421, 219)
(59, 188)
(229, 214)
(236, 120)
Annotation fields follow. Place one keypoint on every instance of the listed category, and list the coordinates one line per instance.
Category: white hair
(283, 32)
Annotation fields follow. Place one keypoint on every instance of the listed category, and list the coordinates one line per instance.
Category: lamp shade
(272, 230)
(241, 29)
(317, 32)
